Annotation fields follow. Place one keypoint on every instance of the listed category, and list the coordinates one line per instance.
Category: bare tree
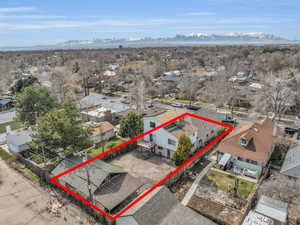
(278, 97)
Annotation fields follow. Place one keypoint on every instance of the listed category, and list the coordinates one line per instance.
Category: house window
(171, 142)
(160, 148)
(152, 124)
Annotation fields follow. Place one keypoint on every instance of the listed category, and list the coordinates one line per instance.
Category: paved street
(24, 203)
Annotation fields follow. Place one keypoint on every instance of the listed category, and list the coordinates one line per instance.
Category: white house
(165, 139)
(17, 141)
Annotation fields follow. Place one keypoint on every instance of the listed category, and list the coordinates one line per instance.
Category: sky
(40, 22)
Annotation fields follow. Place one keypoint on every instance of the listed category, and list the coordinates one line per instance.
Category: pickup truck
(290, 130)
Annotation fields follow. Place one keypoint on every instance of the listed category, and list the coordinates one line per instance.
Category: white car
(177, 105)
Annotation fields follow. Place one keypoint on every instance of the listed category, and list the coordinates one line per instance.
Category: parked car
(177, 105)
(229, 119)
(193, 107)
(290, 130)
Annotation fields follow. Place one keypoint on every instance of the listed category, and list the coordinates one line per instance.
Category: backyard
(226, 183)
(108, 145)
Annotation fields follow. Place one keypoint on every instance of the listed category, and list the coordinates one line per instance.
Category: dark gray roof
(160, 207)
(19, 138)
(291, 164)
(98, 171)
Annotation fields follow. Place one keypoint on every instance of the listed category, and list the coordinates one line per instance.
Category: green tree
(34, 101)
(132, 125)
(61, 129)
(183, 150)
(75, 68)
(22, 83)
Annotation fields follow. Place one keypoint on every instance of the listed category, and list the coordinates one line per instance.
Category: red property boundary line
(53, 179)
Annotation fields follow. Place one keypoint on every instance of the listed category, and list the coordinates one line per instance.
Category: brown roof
(117, 190)
(102, 127)
(187, 129)
(260, 136)
(166, 116)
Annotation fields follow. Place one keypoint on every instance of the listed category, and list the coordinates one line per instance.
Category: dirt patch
(153, 168)
(215, 211)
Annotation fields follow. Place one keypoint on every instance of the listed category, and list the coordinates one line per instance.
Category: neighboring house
(111, 187)
(166, 138)
(248, 148)
(96, 105)
(17, 141)
(6, 104)
(254, 218)
(267, 211)
(160, 207)
(102, 131)
(291, 164)
(273, 209)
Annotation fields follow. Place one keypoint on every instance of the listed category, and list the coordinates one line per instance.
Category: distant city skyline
(35, 22)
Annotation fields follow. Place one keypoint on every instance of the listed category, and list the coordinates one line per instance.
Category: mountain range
(194, 39)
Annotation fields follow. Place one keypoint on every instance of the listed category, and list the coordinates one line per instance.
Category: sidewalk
(196, 183)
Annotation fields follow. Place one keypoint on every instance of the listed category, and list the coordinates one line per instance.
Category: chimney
(108, 116)
(274, 133)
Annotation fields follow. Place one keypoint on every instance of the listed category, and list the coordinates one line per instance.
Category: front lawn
(225, 182)
(14, 125)
(108, 145)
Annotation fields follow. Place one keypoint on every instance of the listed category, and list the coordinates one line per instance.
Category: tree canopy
(22, 83)
(132, 125)
(183, 150)
(34, 101)
(60, 129)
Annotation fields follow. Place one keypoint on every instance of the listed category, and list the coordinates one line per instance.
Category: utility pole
(88, 179)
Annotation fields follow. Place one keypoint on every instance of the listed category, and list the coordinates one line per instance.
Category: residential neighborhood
(149, 113)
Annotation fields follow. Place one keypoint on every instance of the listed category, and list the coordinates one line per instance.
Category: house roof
(291, 164)
(260, 136)
(19, 138)
(257, 219)
(98, 171)
(160, 207)
(102, 127)
(272, 208)
(166, 116)
(118, 189)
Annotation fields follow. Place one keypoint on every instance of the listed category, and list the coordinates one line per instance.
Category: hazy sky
(31, 22)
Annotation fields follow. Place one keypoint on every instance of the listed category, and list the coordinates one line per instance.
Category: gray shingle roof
(160, 207)
(112, 103)
(98, 171)
(291, 164)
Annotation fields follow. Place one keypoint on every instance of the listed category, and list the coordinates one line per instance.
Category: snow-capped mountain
(192, 39)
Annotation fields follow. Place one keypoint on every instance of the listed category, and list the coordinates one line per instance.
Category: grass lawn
(222, 181)
(14, 126)
(108, 145)
(4, 155)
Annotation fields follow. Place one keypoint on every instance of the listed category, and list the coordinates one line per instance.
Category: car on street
(290, 130)
(193, 107)
(177, 105)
